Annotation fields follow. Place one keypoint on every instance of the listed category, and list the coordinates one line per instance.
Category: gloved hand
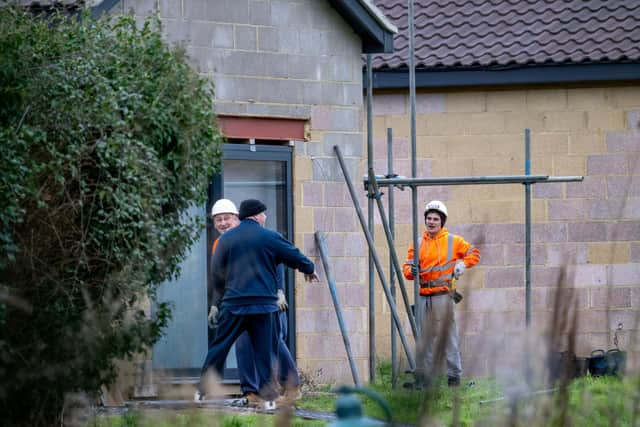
(282, 301)
(414, 270)
(459, 269)
(212, 318)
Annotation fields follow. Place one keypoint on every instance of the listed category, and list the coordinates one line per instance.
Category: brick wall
(586, 235)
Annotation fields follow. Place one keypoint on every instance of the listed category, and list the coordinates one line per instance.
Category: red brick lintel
(262, 128)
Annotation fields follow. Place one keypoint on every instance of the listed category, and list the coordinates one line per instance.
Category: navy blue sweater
(244, 265)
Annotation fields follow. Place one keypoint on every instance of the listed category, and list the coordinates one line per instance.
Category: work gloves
(459, 269)
(282, 301)
(414, 270)
(212, 318)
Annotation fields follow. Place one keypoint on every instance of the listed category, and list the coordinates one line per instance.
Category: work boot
(251, 399)
(290, 395)
(453, 381)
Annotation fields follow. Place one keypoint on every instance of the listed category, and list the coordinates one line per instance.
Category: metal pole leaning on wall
(394, 256)
(376, 260)
(322, 246)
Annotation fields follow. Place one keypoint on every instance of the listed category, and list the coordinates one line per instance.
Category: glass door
(258, 172)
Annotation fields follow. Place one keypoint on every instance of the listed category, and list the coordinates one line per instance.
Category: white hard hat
(223, 206)
(436, 205)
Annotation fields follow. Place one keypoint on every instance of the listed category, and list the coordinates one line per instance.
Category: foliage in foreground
(107, 137)
(602, 401)
(592, 401)
(198, 419)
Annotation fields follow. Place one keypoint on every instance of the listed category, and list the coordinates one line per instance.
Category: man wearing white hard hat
(442, 257)
(225, 217)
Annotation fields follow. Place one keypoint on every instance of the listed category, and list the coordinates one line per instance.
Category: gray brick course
(587, 231)
(569, 253)
(328, 169)
(626, 141)
(268, 39)
(610, 209)
(304, 67)
(246, 37)
(351, 145)
(607, 165)
(281, 91)
(170, 8)
(140, 7)
(206, 34)
(605, 298)
(259, 12)
(623, 231)
(590, 187)
(623, 186)
(176, 33)
(291, 14)
(231, 108)
(547, 191)
(290, 111)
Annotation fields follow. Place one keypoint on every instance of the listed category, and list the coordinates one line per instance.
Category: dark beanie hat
(251, 207)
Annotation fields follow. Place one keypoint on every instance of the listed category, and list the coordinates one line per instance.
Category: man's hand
(459, 269)
(212, 317)
(311, 277)
(414, 270)
(282, 301)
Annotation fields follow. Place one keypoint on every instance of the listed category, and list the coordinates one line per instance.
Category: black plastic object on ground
(565, 365)
(612, 362)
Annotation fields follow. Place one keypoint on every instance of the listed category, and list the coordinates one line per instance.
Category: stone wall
(586, 235)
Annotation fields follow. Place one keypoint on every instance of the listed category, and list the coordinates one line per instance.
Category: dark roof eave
(103, 7)
(526, 75)
(376, 38)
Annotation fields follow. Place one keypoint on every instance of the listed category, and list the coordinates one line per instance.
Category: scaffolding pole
(391, 207)
(414, 156)
(372, 299)
(392, 252)
(322, 246)
(470, 180)
(527, 228)
(376, 260)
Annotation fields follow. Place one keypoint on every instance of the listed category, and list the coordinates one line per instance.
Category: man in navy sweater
(244, 272)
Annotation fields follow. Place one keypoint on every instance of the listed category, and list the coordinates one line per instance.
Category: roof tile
(482, 33)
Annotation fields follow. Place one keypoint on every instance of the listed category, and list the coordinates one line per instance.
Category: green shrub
(107, 137)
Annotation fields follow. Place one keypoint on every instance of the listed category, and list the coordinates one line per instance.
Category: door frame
(258, 152)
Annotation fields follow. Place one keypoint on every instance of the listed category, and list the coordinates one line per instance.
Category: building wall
(586, 235)
(293, 59)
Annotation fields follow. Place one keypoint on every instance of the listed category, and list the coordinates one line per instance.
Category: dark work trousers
(262, 333)
(245, 356)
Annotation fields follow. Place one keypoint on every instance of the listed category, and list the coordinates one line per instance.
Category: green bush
(107, 137)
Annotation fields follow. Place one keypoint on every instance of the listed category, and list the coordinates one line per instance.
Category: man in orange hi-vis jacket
(442, 257)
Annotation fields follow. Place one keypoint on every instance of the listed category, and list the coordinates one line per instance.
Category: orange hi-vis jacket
(438, 257)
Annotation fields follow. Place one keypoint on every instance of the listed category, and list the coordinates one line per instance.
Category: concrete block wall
(293, 59)
(586, 235)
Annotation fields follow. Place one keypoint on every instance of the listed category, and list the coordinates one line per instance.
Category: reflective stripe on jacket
(438, 257)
